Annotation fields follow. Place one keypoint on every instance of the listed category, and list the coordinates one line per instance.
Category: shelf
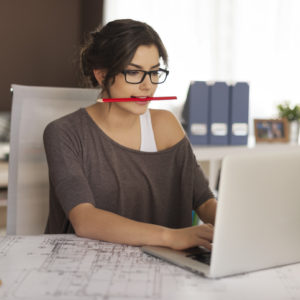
(215, 154)
(208, 153)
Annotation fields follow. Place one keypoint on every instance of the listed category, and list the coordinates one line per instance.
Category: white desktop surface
(64, 267)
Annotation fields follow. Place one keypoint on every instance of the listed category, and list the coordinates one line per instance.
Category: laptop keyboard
(199, 254)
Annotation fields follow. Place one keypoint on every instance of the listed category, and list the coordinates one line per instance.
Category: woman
(120, 172)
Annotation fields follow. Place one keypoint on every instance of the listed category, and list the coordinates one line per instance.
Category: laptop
(258, 218)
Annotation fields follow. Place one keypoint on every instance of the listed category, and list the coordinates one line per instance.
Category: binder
(239, 114)
(195, 113)
(219, 114)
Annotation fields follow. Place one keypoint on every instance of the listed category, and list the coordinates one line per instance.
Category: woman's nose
(146, 84)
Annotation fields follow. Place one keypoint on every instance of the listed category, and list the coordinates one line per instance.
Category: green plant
(287, 111)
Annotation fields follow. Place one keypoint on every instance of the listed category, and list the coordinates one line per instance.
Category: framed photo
(271, 130)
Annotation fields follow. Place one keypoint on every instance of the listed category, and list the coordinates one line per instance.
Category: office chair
(28, 189)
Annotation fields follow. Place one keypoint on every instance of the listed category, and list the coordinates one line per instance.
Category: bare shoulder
(167, 129)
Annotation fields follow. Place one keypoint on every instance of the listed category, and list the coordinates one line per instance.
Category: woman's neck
(111, 117)
(121, 126)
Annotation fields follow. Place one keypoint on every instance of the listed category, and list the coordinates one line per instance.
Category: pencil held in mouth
(132, 99)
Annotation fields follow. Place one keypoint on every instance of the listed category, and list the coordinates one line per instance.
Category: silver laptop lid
(258, 214)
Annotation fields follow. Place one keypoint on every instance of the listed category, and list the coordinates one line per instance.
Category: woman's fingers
(206, 244)
(194, 236)
(205, 231)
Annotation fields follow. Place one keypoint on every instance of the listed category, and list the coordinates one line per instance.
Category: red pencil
(101, 100)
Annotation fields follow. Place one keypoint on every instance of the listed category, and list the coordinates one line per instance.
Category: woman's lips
(143, 100)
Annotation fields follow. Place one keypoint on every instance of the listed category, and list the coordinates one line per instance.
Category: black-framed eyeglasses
(138, 76)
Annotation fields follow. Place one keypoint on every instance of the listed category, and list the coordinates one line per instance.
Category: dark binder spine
(219, 114)
(239, 114)
(195, 113)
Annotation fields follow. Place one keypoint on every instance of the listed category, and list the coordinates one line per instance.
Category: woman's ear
(99, 75)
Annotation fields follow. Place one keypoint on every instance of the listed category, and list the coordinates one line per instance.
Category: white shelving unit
(214, 154)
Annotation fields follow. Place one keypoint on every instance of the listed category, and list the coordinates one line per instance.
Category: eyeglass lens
(137, 76)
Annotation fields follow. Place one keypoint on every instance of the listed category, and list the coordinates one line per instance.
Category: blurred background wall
(40, 42)
(256, 41)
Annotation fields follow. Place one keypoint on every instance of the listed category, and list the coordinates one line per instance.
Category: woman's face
(146, 58)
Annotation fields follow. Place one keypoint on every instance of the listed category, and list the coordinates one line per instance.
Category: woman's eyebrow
(140, 67)
(155, 66)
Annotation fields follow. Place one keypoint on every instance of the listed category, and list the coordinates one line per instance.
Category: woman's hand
(184, 238)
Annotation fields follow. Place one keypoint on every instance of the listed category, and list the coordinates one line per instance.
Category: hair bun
(94, 34)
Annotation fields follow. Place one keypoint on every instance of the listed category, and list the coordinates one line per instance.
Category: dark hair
(112, 47)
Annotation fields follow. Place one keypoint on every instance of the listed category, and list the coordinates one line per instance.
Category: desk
(65, 267)
(214, 154)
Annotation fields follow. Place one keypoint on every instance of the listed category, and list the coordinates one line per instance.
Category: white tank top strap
(147, 135)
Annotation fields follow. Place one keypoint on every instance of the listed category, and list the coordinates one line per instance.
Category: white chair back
(28, 189)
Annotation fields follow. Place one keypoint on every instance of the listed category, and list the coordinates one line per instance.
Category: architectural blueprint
(65, 267)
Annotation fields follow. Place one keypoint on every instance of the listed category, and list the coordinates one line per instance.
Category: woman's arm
(94, 223)
(207, 211)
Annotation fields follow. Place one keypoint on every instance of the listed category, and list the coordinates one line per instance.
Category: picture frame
(271, 130)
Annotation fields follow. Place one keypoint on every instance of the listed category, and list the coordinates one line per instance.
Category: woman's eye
(133, 72)
(155, 73)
